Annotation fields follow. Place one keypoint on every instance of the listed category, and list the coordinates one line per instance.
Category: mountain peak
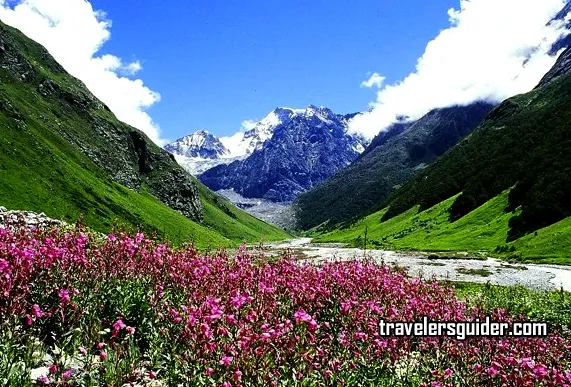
(200, 144)
(312, 107)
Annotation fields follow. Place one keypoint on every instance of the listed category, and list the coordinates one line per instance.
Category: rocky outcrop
(26, 219)
(562, 67)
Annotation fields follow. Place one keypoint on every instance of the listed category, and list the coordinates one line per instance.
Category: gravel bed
(539, 277)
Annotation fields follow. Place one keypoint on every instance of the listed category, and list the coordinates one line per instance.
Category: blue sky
(218, 63)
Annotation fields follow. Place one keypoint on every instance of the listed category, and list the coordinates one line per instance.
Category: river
(532, 276)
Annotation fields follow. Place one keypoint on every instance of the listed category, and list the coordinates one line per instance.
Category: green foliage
(524, 143)
(548, 306)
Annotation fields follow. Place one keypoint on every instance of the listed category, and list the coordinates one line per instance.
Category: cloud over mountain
(492, 50)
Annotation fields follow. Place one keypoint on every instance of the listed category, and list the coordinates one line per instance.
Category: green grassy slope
(548, 245)
(481, 230)
(43, 170)
(525, 143)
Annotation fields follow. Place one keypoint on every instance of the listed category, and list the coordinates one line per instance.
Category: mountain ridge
(524, 143)
(200, 144)
(303, 150)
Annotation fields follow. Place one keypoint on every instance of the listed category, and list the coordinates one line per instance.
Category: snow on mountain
(245, 143)
(201, 150)
(199, 144)
(305, 148)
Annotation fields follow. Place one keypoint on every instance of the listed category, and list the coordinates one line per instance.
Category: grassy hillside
(526, 143)
(482, 230)
(60, 153)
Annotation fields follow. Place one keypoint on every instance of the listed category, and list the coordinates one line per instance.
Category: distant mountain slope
(524, 143)
(64, 153)
(392, 158)
(565, 41)
(304, 150)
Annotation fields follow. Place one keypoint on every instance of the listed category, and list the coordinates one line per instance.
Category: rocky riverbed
(541, 277)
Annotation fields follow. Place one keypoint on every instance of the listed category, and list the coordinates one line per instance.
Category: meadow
(79, 309)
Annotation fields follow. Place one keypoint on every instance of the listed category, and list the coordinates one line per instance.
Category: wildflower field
(79, 309)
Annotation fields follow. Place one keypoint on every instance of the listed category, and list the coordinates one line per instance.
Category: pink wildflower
(67, 373)
(492, 371)
(64, 296)
(36, 311)
(540, 371)
(119, 325)
(226, 360)
(301, 315)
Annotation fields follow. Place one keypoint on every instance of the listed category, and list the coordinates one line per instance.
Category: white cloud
(132, 68)
(492, 50)
(235, 144)
(73, 32)
(375, 80)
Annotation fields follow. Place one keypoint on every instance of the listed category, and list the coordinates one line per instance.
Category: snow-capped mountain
(292, 150)
(201, 150)
(243, 144)
(199, 144)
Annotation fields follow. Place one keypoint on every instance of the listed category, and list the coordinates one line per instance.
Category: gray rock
(562, 67)
(27, 219)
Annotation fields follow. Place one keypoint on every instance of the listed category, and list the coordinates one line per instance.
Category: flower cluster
(139, 309)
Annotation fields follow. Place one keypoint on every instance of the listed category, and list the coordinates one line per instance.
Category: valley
(269, 252)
